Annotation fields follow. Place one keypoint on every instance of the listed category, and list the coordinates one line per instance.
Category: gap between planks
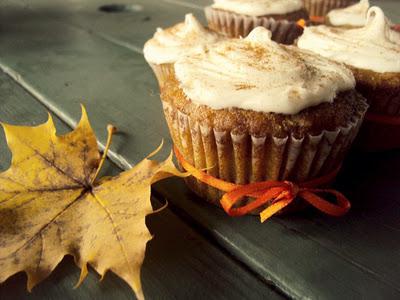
(124, 44)
(123, 164)
(120, 161)
(185, 4)
(117, 159)
(219, 240)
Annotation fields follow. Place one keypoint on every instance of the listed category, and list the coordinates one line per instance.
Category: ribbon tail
(273, 193)
(341, 208)
(204, 177)
(280, 193)
(273, 209)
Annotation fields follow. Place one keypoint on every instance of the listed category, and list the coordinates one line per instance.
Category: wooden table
(58, 54)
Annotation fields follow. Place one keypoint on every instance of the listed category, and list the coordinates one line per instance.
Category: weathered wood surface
(73, 53)
(179, 262)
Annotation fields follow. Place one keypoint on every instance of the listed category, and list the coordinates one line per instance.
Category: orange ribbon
(383, 119)
(278, 194)
(317, 19)
(396, 27)
(301, 23)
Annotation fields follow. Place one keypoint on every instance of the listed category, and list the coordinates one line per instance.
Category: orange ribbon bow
(278, 194)
(317, 19)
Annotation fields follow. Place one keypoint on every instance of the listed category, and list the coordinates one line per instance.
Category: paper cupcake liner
(162, 72)
(245, 158)
(234, 25)
(322, 7)
(375, 136)
(383, 100)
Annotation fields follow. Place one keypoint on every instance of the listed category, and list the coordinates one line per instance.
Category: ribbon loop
(267, 191)
(276, 194)
(342, 207)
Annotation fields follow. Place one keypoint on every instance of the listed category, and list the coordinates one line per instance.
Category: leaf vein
(118, 238)
(45, 226)
(40, 253)
(58, 169)
(45, 190)
(52, 164)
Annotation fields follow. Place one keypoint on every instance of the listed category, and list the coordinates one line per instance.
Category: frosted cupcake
(350, 17)
(322, 7)
(167, 45)
(373, 54)
(250, 109)
(236, 18)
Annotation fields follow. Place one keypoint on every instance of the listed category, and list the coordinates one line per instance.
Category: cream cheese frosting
(353, 15)
(167, 45)
(259, 74)
(259, 7)
(373, 47)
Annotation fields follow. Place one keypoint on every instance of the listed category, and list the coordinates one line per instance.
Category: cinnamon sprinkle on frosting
(259, 74)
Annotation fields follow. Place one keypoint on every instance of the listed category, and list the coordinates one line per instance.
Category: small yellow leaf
(49, 206)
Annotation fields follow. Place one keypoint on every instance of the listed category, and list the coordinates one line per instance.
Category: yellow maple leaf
(50, 205)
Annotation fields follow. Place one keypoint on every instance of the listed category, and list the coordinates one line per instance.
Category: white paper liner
(246, 158)
(162, 72)
(322, 7)
(235, 25)
(386, 102)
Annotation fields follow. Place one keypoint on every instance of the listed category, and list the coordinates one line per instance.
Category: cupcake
(236, 18)
(249, 110)
(320, 8)
(350, 17)
(372, 52)
(167, 45)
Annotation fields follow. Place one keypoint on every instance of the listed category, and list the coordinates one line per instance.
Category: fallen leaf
(51, 206)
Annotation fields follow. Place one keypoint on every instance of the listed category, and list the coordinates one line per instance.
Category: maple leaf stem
(110, 131)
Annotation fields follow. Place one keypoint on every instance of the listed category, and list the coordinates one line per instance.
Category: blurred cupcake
(373, 54)
(250, 110)
(350, 17)
(167, 45)
(236, 18)
(320, 8)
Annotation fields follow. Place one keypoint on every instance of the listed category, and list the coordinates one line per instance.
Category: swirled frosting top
(353, 15)
(373, 47)
(167, 45)
(259, 7)
(259, 74)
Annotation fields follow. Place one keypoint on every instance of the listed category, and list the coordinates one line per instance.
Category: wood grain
(77, 54)
(179, 262)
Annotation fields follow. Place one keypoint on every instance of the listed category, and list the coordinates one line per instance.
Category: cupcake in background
(168, 45)
(372, 52)
(236, 18)
(319, 8)
(250, 110)
(350, 17)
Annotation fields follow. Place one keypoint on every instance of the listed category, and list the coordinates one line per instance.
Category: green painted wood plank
(305, 255)
(179, 263)
(318, 256)
(132, 28)
(78, 67)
